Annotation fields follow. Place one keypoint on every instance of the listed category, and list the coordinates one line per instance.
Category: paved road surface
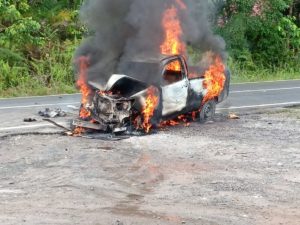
(233, 172)
(243, 97)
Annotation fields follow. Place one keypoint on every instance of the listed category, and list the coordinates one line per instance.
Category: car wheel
(207, 111)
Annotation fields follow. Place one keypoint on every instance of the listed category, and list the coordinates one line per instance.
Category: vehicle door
(175, 88)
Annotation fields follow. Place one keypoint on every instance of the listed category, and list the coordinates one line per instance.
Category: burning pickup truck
(153, 92)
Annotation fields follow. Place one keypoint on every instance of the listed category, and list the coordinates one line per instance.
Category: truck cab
(175, 86)
(124, 97)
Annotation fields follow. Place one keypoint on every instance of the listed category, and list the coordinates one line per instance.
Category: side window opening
(173, 72)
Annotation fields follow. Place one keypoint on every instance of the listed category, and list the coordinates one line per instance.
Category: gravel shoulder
(243, 171)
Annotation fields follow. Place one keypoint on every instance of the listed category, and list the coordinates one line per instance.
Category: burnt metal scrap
(52, 113)
(29, 120)
(128, 105)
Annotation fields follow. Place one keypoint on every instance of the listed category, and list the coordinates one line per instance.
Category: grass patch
(241, 76)
(51, 74)
(252, 73)
(37, 90)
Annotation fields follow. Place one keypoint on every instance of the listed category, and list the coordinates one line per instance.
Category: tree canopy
(38, 38)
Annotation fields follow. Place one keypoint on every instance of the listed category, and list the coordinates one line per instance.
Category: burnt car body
(119, 106)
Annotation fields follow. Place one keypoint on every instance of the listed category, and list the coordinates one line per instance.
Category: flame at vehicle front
(83, 63)
(83, 86)
(149, 108)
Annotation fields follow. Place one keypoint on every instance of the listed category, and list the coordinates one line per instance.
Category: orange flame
(78, 131)
(83, 86)
(149, 108)
(182, 119)
(181, 4)
(214, 79)
(173, 43)
(174, 66)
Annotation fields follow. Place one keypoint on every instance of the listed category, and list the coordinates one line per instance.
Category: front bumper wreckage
(108, 113)
(114, 114)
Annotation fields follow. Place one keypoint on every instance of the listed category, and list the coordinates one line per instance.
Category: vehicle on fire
(123, 105)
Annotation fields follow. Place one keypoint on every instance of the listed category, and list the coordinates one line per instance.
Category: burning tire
(207, 111)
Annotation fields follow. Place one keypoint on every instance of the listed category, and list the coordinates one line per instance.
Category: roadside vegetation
(262, 37)
(38, 39)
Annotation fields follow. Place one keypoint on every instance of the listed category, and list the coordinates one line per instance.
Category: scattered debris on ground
(233, 116)
(56, 124)
(29, 120)
(49, 113)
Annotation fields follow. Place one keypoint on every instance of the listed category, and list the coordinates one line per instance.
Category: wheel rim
(207, 111)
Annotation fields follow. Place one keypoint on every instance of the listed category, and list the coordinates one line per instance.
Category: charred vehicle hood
(125, 86)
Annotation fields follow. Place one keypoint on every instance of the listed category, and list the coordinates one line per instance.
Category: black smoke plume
(125, 29)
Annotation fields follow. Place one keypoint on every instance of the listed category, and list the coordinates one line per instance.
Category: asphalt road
(243, 97)
(230, 172)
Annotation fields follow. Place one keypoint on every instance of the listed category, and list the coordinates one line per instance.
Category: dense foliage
(262, 33)
(37, 41)
(38, 38)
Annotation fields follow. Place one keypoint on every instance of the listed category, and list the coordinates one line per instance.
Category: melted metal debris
(48, 113)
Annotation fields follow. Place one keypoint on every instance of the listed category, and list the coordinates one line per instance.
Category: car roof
(150, 58)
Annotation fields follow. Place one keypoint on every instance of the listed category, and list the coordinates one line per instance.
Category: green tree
(37, 41)
(261, 32)
(18, 30)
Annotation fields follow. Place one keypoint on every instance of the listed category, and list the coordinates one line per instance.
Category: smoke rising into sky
(125, 29)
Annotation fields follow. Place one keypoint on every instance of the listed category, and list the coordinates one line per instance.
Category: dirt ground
(239, 172)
